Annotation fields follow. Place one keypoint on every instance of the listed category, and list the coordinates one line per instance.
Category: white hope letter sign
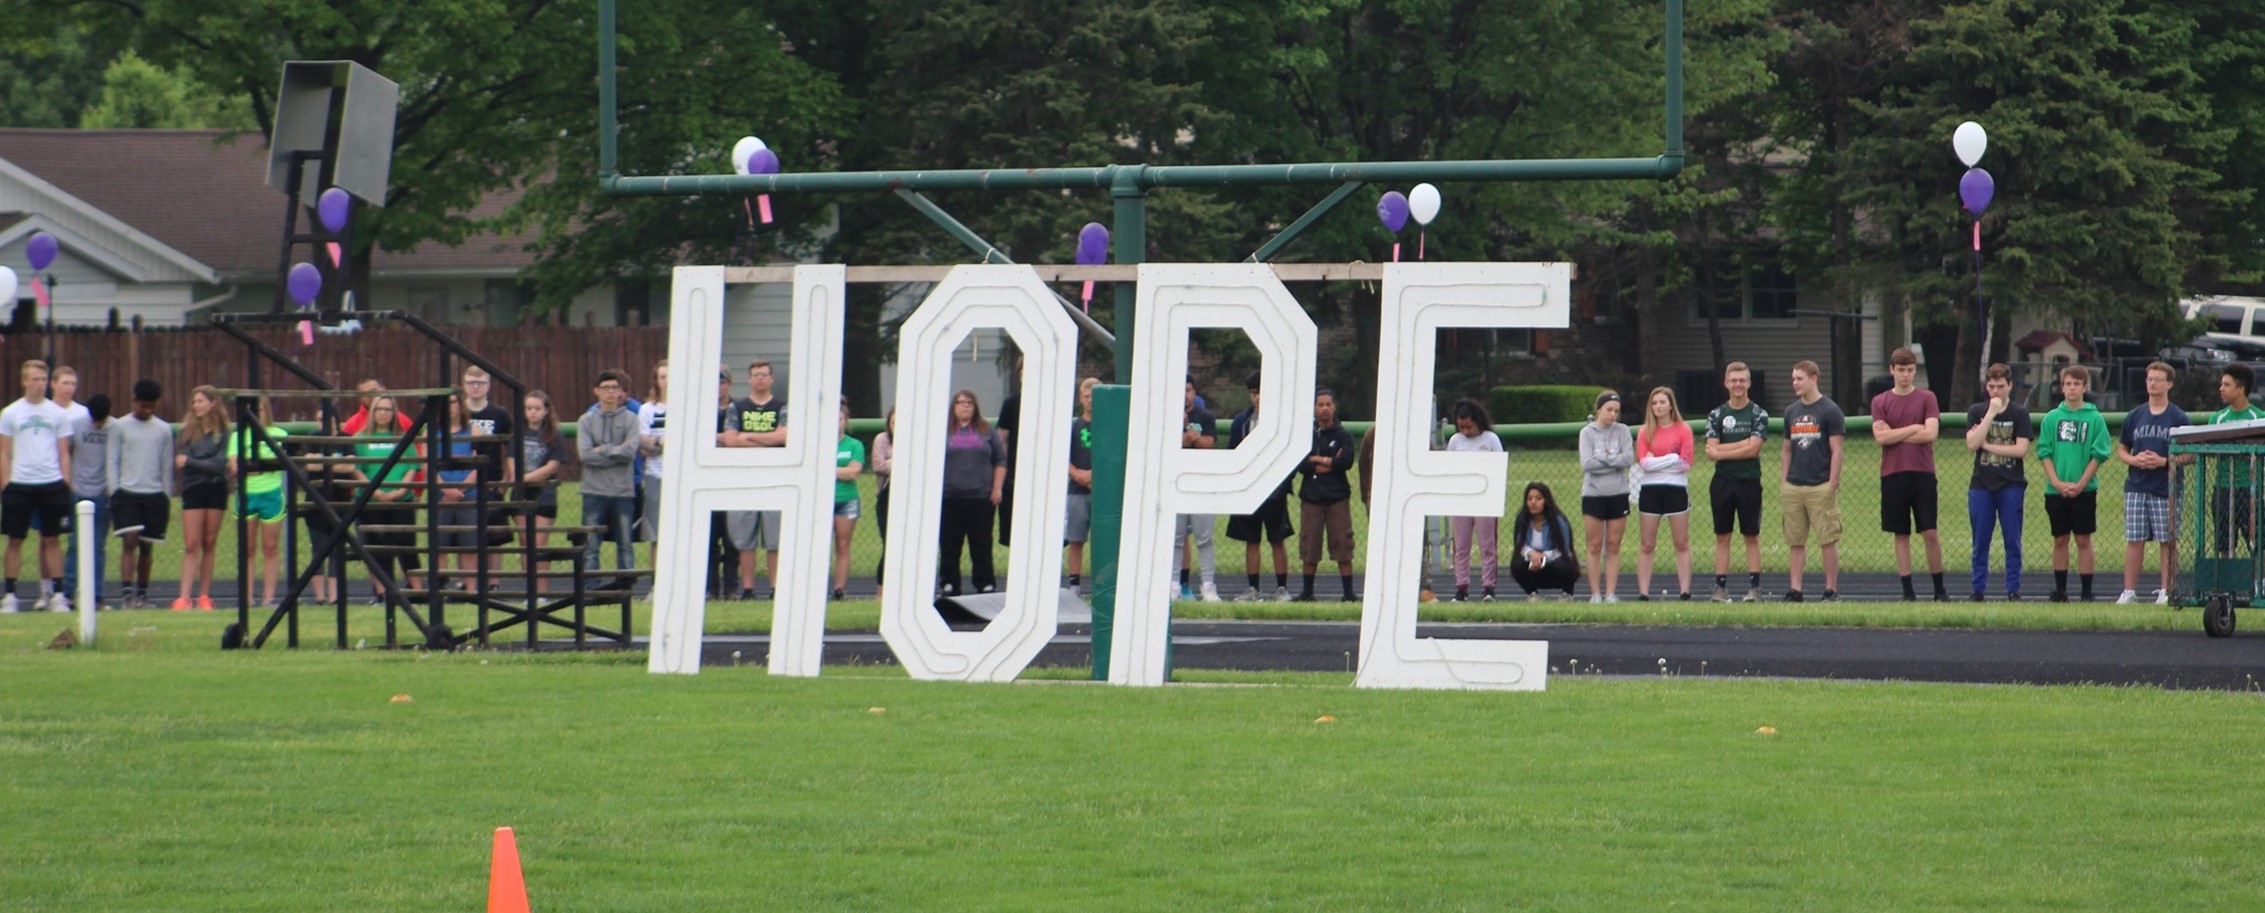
(971, 298)
(1161, 479)
(1412, 480)
(797, 479)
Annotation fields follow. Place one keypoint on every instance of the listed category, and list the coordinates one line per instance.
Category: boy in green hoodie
(2233, 492)
(2073, 442)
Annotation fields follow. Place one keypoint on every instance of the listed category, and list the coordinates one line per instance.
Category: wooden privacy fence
(564, 361)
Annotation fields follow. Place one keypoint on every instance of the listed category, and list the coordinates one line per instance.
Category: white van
(2232, 318)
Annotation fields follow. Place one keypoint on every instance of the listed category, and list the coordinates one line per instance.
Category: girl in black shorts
(1607, 451)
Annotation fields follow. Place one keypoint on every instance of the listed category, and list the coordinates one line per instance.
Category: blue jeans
(101, 547)
(616, 515)
(2001, 508)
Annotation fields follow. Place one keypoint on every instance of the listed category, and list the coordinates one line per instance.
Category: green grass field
(171, 777)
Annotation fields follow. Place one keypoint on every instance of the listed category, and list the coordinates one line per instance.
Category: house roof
(205, 193)
(2037, 340)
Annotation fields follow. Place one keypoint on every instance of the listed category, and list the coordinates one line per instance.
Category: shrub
(1540, 403)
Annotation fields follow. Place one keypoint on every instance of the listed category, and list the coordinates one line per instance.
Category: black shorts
(206, 496)
(1272, 519)
(1605, 507)
(51, 502)
(144, 515)
(546, 511)
(2079, 515)
(1907, 503)
(1663, 500)
(1736, 499)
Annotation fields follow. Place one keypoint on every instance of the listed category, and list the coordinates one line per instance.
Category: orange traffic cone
(507, 889)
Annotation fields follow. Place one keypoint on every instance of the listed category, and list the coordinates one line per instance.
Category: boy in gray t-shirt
(1809, 473)
(138, 475)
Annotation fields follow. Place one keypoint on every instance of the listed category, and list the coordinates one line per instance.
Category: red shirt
(1892, 411)
(361, 417)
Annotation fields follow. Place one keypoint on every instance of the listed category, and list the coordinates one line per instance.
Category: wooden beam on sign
(1058, 272)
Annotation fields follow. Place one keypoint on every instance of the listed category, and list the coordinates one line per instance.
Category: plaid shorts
(2146, 518)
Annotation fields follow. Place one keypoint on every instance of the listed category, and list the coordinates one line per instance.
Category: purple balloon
(1976, 189)
(1092, 245)
(42, 250)
(1393, 210)
(764, 161)
(333, 207)
(304, 283)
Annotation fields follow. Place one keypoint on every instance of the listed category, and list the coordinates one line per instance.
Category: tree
(136, 93)
(2101, 142)
(48, 73)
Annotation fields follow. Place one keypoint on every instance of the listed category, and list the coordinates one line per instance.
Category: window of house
(632, 304)
(431, 303)
(507, 300)
(1762, 292)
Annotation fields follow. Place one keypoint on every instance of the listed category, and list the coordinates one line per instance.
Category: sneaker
(204, 603)
(1611, 597)
(2162, 598)
(1350, 596)
(1753, 594)
(180, 604)
(2058, 596)
(1305, 596)
(1721, 594)
(2128, 597)
(40, 605)
(1980, 597)
(1643, 597)
(59, 604)
(1281, 594)
(1186, 594)
(1684, 596)
(2013, 596)
(8, 604)
(1942, 596)
(838, 594)
(1792, 595)
(1249, 595)
(1209, 593)
(1596, 598)
(1487, 596)
(1533, 597)
(1463, 593)
(1830, 596)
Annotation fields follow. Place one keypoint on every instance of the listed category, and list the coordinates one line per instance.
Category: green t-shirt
(373, 455)
(850, 450)
(2226, 476)
(1730, 426)
(258, 483)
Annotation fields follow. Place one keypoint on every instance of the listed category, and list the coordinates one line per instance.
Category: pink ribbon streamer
(1395, 251)
(1977, 234)
(763, 205)
(1088, 295)
(39, 291)
(337, 254)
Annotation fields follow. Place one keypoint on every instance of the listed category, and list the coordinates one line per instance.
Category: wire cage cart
(2215, 477)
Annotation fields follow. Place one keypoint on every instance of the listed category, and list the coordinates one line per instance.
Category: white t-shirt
(37, 433)
(1486, 442)
(652, 422)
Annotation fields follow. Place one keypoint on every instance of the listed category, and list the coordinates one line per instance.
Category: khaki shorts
(1809, 509)
(1333, 520)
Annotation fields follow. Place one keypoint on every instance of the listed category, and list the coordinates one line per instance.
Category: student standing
(394, 551)
(1474, 433)
(1735, 432)
(2145, 447)
(261, 496)
(2233, 495)
(1906, 421)
(140, 479)
(201, 455)
(975, 478)
(606, 442)
(1270, 522)
(849, 463)
(1077, 524)
(1326, 496)
(2072, 444)
(35, 469)
(1608, 450)
(1809, 480)
(652, 428)
(485, 417)
(1664, 448)
(884, 468)
(542, 456)
(760, 420)
(1198, 431)
(1999, 434)
(90, 448)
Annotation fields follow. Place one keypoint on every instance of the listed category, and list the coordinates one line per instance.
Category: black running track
(2166, 659)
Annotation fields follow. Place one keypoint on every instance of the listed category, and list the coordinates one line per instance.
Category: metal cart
(2215, 477)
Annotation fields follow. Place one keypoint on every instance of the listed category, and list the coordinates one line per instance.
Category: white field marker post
(83, 527)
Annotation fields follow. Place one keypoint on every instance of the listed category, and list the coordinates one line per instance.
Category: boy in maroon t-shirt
(1905, 420)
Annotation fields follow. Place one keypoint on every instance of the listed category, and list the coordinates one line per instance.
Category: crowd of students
(55, 450)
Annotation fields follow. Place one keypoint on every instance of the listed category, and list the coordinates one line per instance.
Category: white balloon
(7, 287)
(1970, 142)
(742, 151)
(1423, 203)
